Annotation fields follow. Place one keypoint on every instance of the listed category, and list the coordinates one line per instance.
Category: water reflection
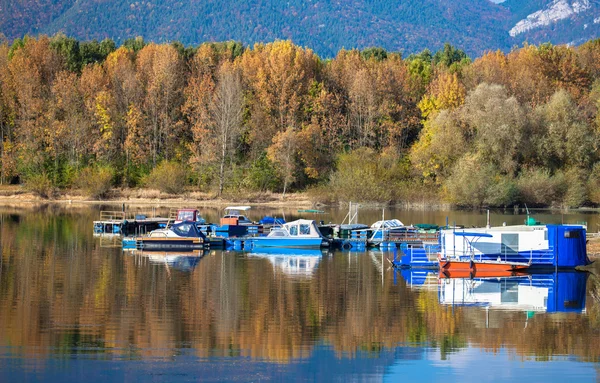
(292, 262)
(64, 297)
(557, 292)
(181, 260)
(563, 291)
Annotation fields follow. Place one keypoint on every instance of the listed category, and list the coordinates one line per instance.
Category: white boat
(537, 245)
(235, 215)
(302, 233)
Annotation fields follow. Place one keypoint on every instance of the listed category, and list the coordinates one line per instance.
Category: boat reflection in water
(550, 292)
(179, 260)
(292, 262)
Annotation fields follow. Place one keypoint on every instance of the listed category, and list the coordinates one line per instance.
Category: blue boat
(299, 234)
(539, 246)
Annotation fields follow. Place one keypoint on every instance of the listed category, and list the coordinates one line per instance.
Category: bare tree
(226, 111)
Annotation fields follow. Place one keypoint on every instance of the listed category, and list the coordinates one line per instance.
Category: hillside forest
(370, 125)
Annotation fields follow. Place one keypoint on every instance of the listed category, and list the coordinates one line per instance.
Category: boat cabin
(189, 215)
(184, 229)
(235, 215)
(299, 228)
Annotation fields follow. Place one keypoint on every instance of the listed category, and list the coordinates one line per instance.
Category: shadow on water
(72, 309)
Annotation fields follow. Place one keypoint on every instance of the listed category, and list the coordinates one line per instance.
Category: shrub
(538, 187)
(475, 184)
(40, 185)
(593, 184)
(261, 176)
(95, 181)
(168, 177)
(363, 176)
(576, 193)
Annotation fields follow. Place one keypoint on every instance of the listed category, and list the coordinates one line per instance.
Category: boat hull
(289, 243)
(184, 243)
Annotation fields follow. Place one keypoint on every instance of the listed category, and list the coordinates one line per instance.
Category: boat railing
(107, 215)
(157, 234)
(408, 236)
(431, 252)
(470, 252)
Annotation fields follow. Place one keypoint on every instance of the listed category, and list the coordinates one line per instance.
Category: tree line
(370, 125)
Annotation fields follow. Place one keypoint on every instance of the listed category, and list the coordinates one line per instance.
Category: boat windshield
(304, 229)
(183, 229)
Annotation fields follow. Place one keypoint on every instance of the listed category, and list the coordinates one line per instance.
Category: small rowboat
(457, 267)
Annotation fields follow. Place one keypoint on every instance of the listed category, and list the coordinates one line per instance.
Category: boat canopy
(300, 228)
(387, 224)
(187, 229)
(268, 220)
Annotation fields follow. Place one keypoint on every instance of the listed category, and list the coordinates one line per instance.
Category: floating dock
(117, 222)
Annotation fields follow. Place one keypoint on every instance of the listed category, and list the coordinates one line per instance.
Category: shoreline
(15, 195)
(11, 196)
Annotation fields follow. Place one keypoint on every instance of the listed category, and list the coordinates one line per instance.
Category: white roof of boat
(388, 223)
(495, 229)
(300, 222)
(241, 208)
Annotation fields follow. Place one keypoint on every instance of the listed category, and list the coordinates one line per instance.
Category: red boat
(468, 268)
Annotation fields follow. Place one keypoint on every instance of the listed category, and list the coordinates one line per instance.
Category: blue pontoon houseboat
(539, 246)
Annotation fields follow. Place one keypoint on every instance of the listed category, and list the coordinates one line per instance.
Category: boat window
(304, 229)
(509, 292)
(293, 230)
(277, 233)
(183, 229)
(185, 216)
(572, 234)
(509, 243)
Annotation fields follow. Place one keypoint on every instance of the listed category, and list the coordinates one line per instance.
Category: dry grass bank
(17, 195)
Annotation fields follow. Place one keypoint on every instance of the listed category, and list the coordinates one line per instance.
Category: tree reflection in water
(63, 294)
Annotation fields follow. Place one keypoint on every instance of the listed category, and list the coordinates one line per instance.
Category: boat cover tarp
(187, 229)
(268, 220)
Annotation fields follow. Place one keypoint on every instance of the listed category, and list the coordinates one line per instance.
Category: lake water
(74, 308)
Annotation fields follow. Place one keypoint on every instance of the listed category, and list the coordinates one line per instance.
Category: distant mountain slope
(558, 21)
(325, 26)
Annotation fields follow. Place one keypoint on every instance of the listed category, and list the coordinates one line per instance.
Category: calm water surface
(77, 308)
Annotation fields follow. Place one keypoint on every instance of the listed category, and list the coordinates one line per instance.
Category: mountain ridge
(325, 26)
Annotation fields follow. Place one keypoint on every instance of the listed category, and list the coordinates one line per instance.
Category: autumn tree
(278, 75)
(159, 70)
(567, 140)
(498, 124)
(283, 154)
